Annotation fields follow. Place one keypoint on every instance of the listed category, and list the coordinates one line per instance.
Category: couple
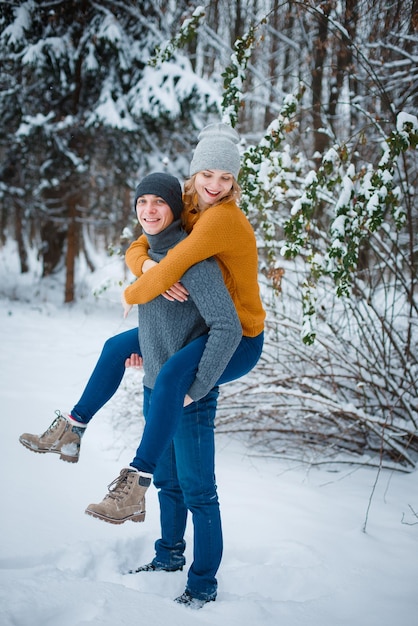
(195, 336)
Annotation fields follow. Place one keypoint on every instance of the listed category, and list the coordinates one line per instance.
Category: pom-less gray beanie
(166, 187)
(217, 150)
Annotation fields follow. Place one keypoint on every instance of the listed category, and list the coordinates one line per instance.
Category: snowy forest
(325, 97)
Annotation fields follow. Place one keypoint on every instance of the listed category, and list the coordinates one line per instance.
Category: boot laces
(54, 424)
(119, 487)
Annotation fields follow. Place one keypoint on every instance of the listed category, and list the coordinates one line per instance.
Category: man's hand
(187, 400)
(134, 361)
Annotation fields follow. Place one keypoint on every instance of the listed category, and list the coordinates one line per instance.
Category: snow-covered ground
(295, 550)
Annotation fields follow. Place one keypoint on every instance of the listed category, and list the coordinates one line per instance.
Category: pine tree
(83, 114)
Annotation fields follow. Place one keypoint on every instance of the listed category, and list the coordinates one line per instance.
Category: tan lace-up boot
(125, 500)
(63, 437)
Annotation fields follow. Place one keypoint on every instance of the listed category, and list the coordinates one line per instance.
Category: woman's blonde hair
(190, 199)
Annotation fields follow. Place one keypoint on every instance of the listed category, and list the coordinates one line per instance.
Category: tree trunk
(319, 55)
(23, 255)
(414, 17)
(288, 79)
(344, 63)
(72, 249)
(4, 214)
(52, 245)
(209, 61)
(273, 47)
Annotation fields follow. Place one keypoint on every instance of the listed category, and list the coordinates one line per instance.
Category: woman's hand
(126, 307)
(147, 265)
(176, 292)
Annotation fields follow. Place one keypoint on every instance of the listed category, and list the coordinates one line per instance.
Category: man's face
(154, 214)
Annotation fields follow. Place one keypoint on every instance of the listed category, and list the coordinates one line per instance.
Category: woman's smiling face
(212, 185)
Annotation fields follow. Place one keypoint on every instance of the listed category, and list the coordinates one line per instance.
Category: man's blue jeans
(185, 477)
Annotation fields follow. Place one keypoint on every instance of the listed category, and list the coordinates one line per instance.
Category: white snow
(338, 227)
(406, 118)
(90, 61)
(111, 109)
(15, 32)
(295, 551)
(346, 193)
(110, 30)
(160, 89)
(29, 121)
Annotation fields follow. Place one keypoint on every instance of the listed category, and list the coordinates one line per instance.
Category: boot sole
(63, 457)
(139, 517)
(150, 569)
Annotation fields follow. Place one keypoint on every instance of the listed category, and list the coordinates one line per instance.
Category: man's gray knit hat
(217, 150)
(166, 187)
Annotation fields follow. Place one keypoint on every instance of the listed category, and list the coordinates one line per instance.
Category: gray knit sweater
(165, 327)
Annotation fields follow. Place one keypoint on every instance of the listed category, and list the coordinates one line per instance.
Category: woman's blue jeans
(107, 374)
(171, 386)
(185, 477)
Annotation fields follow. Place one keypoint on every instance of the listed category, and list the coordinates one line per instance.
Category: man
(185, 473)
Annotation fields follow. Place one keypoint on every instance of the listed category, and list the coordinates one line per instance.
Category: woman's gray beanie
(217, 150)
(166, 187)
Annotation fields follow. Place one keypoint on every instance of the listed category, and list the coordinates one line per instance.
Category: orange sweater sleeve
(136, 255)
(211, 235)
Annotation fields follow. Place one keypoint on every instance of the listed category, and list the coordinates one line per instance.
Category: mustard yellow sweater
(221, 231)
